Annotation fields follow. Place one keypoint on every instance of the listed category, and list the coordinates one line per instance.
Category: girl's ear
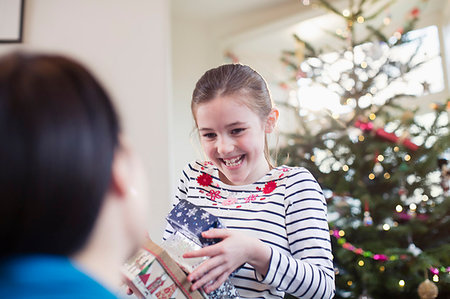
(272, 120)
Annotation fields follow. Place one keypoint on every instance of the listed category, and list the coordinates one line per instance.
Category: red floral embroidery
(214, 194)
(257, 188)
(281, 175)
(269, 187)
(204, 180)
(250, 198)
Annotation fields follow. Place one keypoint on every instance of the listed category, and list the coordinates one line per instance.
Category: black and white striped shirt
(286, 210)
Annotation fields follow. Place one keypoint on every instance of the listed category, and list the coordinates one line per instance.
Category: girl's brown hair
(233, 79)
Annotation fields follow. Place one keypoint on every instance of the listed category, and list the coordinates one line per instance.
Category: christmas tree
(375, 155)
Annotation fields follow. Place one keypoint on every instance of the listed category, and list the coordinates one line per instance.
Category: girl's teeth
(233, 162)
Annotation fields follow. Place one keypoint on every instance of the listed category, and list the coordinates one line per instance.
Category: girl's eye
(209, 135)
(237, 131)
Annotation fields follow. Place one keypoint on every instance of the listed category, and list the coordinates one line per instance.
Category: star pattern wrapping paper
(191, 221)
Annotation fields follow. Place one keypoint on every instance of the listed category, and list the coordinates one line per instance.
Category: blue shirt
(47, 276)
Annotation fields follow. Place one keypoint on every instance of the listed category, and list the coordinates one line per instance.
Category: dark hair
(235, 79)
(59, 131)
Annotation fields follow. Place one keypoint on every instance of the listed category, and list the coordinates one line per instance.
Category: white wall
(126, 44)
(191, 51)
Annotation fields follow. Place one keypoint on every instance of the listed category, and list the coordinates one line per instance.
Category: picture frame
(11, 21)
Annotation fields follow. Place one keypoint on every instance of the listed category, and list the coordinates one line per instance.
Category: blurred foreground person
(73, 197)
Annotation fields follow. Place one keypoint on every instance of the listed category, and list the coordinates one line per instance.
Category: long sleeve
(308, 271)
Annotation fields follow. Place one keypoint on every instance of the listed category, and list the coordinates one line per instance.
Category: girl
(275, 216)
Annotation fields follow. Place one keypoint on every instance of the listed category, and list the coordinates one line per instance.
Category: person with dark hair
(277, 237)
(73, 195)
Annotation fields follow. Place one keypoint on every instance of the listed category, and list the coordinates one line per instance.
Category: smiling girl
(275, 216)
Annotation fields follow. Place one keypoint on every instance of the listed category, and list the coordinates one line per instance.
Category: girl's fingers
(219, 233)
(216, 284)
(209, 277)
(205, 251)
(204, 268)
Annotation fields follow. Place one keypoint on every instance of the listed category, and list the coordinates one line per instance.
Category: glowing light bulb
(382, 268)
(399, 208)
(361, 138)
(313, 158)
(372, 116)
(386, 227)
(425, 197)
(363, 64)
(396, 149)
(360, 19)
(341, 233)
(401, 283)
(349, 283)
(407, 157)
(412, 207)
(346, 12)
(345, 168)
(361, 263)
(371, 176)
(380, 158)
(435, 278)
(387, 176)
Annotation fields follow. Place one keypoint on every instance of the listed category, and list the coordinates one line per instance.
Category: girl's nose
(224, 146)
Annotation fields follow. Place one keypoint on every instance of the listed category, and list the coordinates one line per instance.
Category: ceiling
(218, 9)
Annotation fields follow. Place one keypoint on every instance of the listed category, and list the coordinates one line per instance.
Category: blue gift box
(192, 220)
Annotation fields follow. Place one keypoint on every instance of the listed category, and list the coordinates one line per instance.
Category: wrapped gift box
(189, 221)
(152, 273)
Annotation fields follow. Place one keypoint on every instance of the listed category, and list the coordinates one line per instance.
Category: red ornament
(415, 12)
(269, 187)
(204, 180)
(365, 126)
(358, 251)
(284, 85)
(368, 127)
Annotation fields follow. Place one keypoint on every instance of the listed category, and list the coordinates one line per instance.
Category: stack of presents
(161, 271)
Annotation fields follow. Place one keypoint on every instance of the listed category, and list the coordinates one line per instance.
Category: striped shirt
(286, 210)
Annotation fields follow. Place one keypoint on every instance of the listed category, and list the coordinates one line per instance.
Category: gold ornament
(427, 290)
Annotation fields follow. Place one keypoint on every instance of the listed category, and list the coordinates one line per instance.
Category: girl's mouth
(234, 161)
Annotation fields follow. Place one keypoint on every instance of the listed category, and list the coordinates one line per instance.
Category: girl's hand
(226, 256)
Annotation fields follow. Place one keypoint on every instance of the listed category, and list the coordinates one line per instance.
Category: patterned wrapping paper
(189, 221)
(152, 274)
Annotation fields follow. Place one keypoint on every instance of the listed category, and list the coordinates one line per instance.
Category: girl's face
(232, 137)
